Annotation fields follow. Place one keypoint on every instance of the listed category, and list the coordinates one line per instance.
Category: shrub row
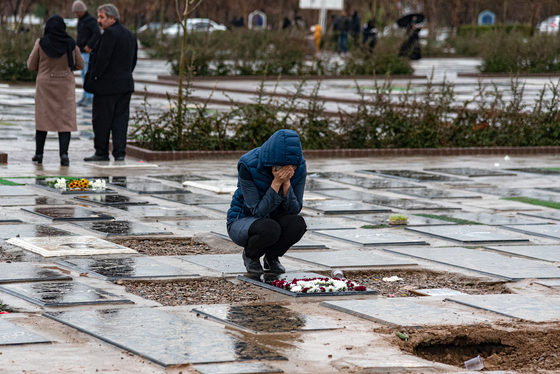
(15, 48)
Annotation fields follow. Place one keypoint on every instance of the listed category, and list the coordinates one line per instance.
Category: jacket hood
(282, 148)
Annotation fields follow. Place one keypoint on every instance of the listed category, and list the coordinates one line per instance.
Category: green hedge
(478, 31)
(15, 49)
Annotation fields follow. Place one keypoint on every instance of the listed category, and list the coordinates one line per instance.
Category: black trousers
(274, 237)
(63, 142)
(110, 115)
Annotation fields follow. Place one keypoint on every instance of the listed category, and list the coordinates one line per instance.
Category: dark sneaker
(253, 265)
(96, 158)
(272, 264)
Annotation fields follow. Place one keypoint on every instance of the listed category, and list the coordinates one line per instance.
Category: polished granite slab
(518, 192)
(111, 200)
(343, 207)
(317, 184)
(476, 234)
(69, 246)
(199, 226)
(264, 318)
(430, 193)
(383, 219)
(411, 175)
(193, 199)
(180, 178)
(149, 188)
(544, 171)
(4, 218)
(121, 228)
(327, 223)
(17, 272)
(30, 231)
(264, 280)
(536, 252)
(160, 212)
(484, 262)
(238, 368)
(11, 334)
(30, 200)
(370, 237)
(512, 305)
(371, 183)
(222, 208)
(545, 231)
(58, 294)
(349, 259)
(227, 264)
(116, 268)
(15, 191)
(398, 312)
(492, 219)
(471, 172)
(219, 186)
(67, 213)
(555, 216)
(162, 337)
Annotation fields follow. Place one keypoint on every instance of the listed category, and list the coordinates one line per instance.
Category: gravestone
(484, 262)
(536, 252)
(28, 201)
(429, 193)
(68, 213)
(69, 246)
(545, 231)
(436, 292)
(31, 231)
(308, 244)
(228, 264)
(119, 164)
(193, 199)
(150, 188)
(472, 172)
(383, 219)
(42, 183)
(111, 200)
(121, 228)
(15, 191)
(163, 338)
(477, 234)
(238, 368)
(370, 237)
(264, 280)
(17, 272)
(180, 178)
(517, 192)
(543, 215)
(349, 259)
(398, 312)
(549, 283)
(199, 226)
(4, 218)
(544, 171)
(160, 212)
(264, 318)
(222, 208)
(11, 334)
(411, 175)
(512, 305)
(316, 223)
(58, 294)
(316, 184)
(372, 183)
(219, 186)
(551, 189)
(343, 206)
(125, 268)
(492, 219)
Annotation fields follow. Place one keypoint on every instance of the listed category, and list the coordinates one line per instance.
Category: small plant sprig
(398, 217)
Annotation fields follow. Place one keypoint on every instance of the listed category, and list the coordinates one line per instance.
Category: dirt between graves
(413, 279)
(524, 347)
(167, 246)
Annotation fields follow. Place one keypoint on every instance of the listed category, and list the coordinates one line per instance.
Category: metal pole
(323, 18)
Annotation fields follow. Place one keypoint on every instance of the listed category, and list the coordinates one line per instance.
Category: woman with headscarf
(55, 56)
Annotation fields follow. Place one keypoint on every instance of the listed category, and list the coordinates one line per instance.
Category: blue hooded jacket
(255, 198)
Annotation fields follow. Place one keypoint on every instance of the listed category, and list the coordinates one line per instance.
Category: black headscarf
(56, 42)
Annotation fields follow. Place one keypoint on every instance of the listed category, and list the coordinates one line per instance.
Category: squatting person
(263, 216)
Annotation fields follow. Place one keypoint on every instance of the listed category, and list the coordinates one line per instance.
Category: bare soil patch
(517, 346)
(197, 291)
(413, 279)
(165, 246)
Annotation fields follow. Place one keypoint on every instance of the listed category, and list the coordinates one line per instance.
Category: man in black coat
(110, 79)
(88, 35)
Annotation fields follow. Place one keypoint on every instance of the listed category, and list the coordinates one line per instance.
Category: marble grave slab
(227, 264)
(222, 208)
(549, 253)
(370, 237)
(199, 226)
(4, 218)
(67, 213)
(149, 188)
(11, 334)
(472, 172)
(549, 283)
(317, 184)
(111, 200)
(160, 212)
(120, 228)
(555, 216)
(411, 175)
(477, 234)
(383, 219)
(546, 231)
(492, 219)
(343, 207)
(543, 171)
(328, 223)
(31, 231)
(30, 200)
(17, 272)
(349, 259)
(69, 246)
(238, 368)
(57, 294)
(431, 193)
(180, 178)
(42, 184)
(162, 337)
(219, 186)
(372, 183)
(193, 199)
(15, 191)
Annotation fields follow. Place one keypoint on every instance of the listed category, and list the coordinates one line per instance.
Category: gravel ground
(165, 247)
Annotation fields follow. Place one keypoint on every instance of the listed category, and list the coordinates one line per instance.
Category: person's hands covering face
(284, 174)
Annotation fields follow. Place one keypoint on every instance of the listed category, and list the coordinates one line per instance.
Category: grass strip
(552, 169)
(374, 226)
(449, 219)
(528, 200)
(4, 182)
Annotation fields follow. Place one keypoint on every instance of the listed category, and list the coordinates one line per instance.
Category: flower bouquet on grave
(75, 184)
(398, 219)
(318, 285)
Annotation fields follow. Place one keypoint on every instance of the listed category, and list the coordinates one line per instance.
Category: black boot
(272, 264)
(40, 138)
(253, 265)
(38, 159)
(64, 160)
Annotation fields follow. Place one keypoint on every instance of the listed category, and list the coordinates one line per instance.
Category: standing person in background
(355, 28)
(54, 57)
(343, 25)
(317, 35)
(110, 80)
(370, 35)
(88, 35)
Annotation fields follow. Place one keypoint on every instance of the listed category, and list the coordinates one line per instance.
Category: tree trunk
(504, 17)
(431, 14)
(455, 12)
(536, 6)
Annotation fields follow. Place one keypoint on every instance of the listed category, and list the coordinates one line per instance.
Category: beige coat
(55, 95)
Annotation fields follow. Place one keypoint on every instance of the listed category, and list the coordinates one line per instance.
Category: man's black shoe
(273, 265)
(64, 160)
(119, 158)
(96, 158)
(253, 265)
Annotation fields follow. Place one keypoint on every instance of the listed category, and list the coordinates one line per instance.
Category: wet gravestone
(30, 231)
(28, 201)
(193, 199)
(315, 184)
(69, 246)
(549, 253)
(372, 183)
(125, 268)
(472, 172)
(543, 215)
(42, 183)
(15, 191)
(370, 237)
(264, 318)
(4, 218)
(163, 338)
(411, 175)
(149, 188)
(17, 272)
(544, 171)
(222, 208)
(343, 207)
(327, 223)
(228, 264)
(545, 231)
(349, 259)
(121, 228)
(111, 200)
(180, 178)
(219, 186)
(238, 368)
(67, 213)
(477, 234)
(383, 219)
(11, 334)
(198, 226)
(160, 212)
(551, 189)
(57, 294)
(429, 193)
(492, 219)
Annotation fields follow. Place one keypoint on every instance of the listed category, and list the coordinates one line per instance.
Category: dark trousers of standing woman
(110, 115)
(274, 236)
(63, 142)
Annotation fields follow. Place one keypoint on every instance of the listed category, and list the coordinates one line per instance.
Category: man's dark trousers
(110, 115)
